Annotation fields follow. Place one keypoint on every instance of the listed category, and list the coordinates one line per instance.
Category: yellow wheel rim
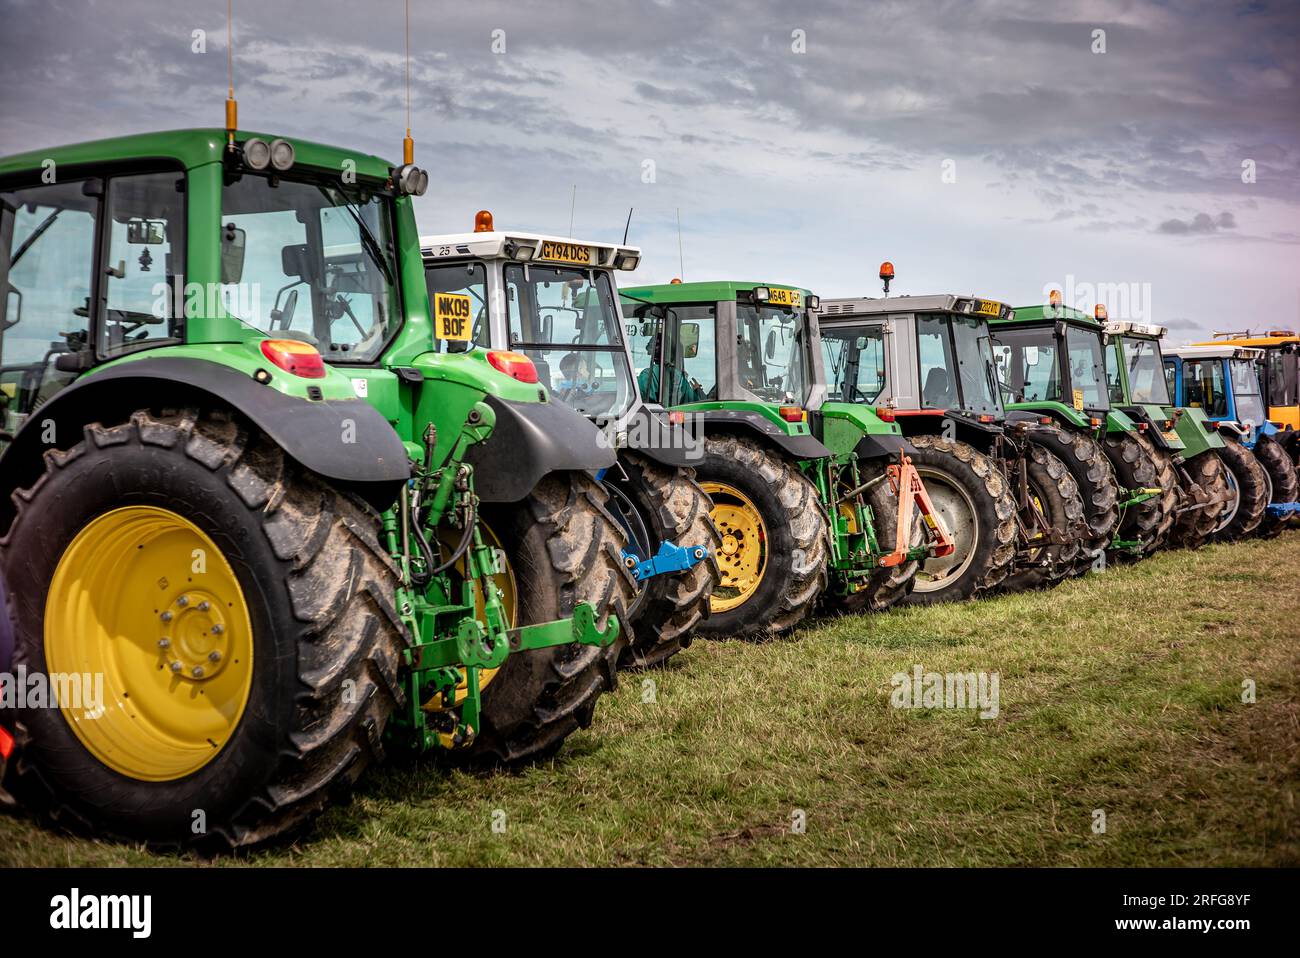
(742, 559)
(143, 598)
(505, 582)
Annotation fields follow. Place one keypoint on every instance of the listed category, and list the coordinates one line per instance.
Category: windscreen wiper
(36, 234)
(368, 241)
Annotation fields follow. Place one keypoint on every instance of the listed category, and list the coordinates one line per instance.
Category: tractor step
(670, 559)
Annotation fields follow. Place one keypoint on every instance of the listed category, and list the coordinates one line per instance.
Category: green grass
(1121, 692)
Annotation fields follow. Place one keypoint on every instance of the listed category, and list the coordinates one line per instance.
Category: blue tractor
(1223, 380)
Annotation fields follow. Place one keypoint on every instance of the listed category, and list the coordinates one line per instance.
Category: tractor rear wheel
(1053, 491)
(974, 501)
(775, 539)
(1211, 492)
(1250, 492)
(1138, 464)
(562, 547)
(1281, 472)
(1095, 477)
(238, 611)
(656, 504)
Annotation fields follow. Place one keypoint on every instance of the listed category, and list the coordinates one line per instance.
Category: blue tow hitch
(1276, 509)
(669, 559)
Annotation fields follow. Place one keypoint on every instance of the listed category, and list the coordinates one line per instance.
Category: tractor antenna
(681, 261)
(232, 108)
(408, 144)
(628, 226)
(573, 202)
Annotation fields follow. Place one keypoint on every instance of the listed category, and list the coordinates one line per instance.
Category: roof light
(674, 282)
(521, 251)
(886, 414)
(411, 180)
(625, 259)
(814, 303)
(1099, 313)
(282, 154)
(762, 294)
(483, 222)
(793, 413)
(515, 365)
(257, 154)
(1281, 332)
(295, 357)
(1054, 298)
(886, 270)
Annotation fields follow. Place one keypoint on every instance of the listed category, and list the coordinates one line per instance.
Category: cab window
(1203, 387)
(462, 279)
(855, 362)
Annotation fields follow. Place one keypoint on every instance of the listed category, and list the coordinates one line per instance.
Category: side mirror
(13, 307)
(146, 232)
(232, 253)
(690, 336)
(295, 260)
(548, 327)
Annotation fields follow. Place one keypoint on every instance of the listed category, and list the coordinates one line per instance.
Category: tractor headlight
(411, 180)
(257, 154)
(282, 154)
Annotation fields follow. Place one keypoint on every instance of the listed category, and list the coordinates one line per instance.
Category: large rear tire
(1098, 490)
(775, 539)
(974, 501)
(669, 506)
(1251, 492)
(563, 547)
(1209, 491)
(1056, 493)
(240, 612)
(1138, 464)
(1281, 472)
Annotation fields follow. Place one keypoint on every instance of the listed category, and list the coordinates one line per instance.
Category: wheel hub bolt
(204, 606)
(175, 666)
(164, 643)
(167, 616)
(183, 601)
(197, 671)
(217, 629)
(214, 656)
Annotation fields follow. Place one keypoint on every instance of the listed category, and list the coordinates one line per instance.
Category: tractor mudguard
(876, 446)
(675, 445)
(1024, 415)
(747, 422)
(346, 441)
(532, 440)
(1229, 428)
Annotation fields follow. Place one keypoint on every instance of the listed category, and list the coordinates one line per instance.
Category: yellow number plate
(987, 307)
(451, 317)
(1078, 400)
(566, 253)
(784, 297)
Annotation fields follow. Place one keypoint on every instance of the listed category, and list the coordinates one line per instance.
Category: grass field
(1120, 692)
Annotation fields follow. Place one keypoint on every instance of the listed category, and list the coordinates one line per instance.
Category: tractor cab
(916, 356)
(550, 299)
(1280, 374)
(1223, 381)
(1052, 359)
(1137, 384)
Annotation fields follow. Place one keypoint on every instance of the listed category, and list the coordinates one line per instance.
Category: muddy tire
(1138, 464)
(564, 547)
(669, 506)
(1281, 472)
(1251, 492)
(1098, 490)
(974, 500)
(1210, 490)
(321, 638)
(1052, 485)
(748, 482)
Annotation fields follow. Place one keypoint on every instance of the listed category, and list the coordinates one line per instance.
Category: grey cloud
(1200, 223)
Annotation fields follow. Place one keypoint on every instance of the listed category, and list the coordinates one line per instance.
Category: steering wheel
(579, 375)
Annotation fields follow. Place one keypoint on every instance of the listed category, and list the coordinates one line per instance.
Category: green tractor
(1187, 443)
(814, 500)
(1052, 364)
(1013, 506)
(252, 514)
(555, 301)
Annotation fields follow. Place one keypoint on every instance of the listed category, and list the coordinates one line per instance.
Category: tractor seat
(937, 390)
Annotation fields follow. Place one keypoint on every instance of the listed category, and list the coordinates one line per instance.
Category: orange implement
(907, 485)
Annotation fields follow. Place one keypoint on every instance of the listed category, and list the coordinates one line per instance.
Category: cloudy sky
(990, 147)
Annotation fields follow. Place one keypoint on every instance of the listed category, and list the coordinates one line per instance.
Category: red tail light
(677, 417)
(1142, 427)
(513, 364)
(1094, 422)
(987, 419)
(886, 414)
(295, 357)
(6, 743)
(792, 413)
(1044, 420)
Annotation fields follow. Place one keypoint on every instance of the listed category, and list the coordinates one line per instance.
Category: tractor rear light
(987, 418)
(886, 414)
(676, 417)
(1169, 424)
(6, 743)
(1044, 420)
(1094, 422)
(793, 413)
(295, 357)
(515, 365)
(1142, 427)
